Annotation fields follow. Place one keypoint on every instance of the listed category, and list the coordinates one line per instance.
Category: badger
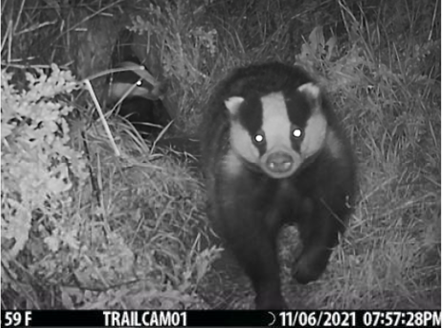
(274, 153)
(140, 96)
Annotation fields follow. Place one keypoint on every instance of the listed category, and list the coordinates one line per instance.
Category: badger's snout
(280, 164)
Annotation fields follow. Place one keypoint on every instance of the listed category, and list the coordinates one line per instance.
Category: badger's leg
(256, 252)
(319, 230)
(251, 235)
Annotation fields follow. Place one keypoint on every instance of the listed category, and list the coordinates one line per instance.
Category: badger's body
(147, 116)
(274, 153)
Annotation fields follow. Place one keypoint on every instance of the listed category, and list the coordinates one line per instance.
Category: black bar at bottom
(182, 318)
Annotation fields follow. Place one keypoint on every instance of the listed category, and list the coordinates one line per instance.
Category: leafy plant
(39, 167)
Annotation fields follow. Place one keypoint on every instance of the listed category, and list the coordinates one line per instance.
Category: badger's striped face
(120, 89)
(135, 83)
(277, 132)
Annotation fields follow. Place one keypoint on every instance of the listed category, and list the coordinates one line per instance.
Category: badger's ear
(312, 93)
(233, 104)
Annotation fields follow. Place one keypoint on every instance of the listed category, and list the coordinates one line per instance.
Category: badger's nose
(280, 162)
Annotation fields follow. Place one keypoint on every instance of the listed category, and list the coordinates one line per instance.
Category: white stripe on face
(315, 134)
(119, 89)
(276, 123)
(316, 126)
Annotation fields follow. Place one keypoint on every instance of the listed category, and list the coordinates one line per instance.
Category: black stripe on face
(250, 115)
(296, 141)
(126, 77)
(299, 108)
(251, 118)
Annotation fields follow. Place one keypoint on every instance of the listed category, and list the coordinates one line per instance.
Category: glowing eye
(139, 83)
(297, 133)
(259, 138)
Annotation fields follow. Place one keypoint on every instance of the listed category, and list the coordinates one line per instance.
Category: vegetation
(84, 228)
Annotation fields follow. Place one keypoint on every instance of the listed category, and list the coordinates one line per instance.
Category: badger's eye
(297, 133)
(139, 83)
(259, 138)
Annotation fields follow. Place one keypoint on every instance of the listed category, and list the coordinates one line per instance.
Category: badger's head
(277, 132)
(135, 81)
